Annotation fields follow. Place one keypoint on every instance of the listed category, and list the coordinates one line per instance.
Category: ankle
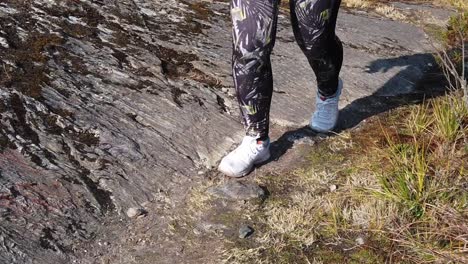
(263, 140)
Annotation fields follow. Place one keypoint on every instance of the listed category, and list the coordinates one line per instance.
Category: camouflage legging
(254, 30)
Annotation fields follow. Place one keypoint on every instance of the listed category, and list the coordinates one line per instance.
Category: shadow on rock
(402, 89)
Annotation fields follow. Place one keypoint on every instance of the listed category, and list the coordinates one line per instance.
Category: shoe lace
(326, 106)
(248, 149)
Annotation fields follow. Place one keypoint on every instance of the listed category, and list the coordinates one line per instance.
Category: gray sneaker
(326, 112)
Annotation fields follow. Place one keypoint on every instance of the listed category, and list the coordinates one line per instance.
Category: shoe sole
(248, 170)
(322, 130)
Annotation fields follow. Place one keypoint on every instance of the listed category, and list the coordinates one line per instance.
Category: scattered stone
(4, 43)
(333, 188)
(4, 211)
(360, 241)
(235, 190)
(136, 212)
(245, 231)
(209, 227)
(196, 231)
(103, 243)
(139, 119)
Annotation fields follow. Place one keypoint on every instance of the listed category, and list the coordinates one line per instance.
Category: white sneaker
(241, 161)
(326, 112)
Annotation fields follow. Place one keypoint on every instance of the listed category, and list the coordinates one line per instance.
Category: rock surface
(235, 190)
(105, 104)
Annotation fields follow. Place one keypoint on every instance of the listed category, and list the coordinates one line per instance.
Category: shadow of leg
(388, 97)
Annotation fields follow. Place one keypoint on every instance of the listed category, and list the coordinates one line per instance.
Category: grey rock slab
(99, 108)
(235, 190)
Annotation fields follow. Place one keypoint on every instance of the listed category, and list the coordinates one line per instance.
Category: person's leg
(314, 23)
(253, 33)
(254, 30)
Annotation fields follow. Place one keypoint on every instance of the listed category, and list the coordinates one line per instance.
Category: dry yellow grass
(390, 11)
(385, 8)
(461, 4)
(198, 199)
(358, 3)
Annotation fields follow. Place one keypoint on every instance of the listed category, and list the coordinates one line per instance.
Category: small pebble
(245, 231)
(197, 232)
(139, 119)
(360, 241)
(136, 212)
